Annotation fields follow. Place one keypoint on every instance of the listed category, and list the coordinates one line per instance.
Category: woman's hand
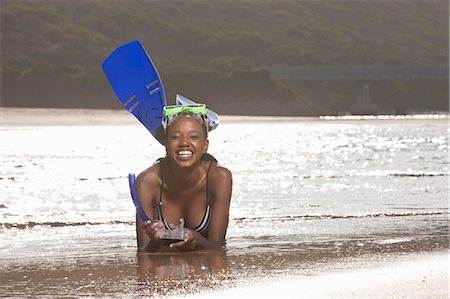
(190, 241)
(151, 228)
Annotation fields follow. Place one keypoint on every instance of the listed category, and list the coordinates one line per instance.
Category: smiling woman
(186, 186)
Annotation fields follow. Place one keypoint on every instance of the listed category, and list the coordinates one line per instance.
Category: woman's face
(186, 141)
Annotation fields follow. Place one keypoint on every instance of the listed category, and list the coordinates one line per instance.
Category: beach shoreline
(25, 117)
(419, 275)
(407, 275)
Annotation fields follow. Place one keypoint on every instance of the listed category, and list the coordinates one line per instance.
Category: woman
(186, 184)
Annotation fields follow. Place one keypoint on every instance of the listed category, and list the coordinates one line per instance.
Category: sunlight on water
(73, 174)
(78, 174)
(303, 191)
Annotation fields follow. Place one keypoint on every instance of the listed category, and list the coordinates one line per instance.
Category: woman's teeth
(185, 153)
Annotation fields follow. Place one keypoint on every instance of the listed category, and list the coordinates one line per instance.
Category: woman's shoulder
(215, 168)
(150, 177)
(219, 173)
(220, 180)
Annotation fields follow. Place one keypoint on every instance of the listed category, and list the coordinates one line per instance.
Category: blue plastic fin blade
(137, 84)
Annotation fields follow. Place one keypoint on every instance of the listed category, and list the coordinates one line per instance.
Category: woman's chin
(185, 163)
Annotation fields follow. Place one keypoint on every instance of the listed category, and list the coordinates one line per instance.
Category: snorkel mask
(186, 107)
(196, 111)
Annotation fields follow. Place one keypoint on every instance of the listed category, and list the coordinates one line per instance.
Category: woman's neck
(183, 178)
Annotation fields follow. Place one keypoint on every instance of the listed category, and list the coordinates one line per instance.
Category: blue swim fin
(137, 84)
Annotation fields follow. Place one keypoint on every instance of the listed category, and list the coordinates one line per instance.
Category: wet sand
(419, 276)
(63, 117)
(218, 275)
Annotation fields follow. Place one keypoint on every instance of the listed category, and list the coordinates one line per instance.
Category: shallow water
(305, 194)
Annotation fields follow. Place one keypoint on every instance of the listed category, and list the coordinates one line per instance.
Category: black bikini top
(202, 227)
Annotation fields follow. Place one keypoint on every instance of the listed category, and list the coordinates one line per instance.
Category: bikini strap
(162, 181)
(207, 190)
(158, 207)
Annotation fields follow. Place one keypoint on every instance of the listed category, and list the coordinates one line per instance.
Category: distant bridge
(362, 73)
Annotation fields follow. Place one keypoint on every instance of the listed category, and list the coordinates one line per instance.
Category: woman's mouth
(184, 153)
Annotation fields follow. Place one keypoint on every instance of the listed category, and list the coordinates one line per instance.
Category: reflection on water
(182, 273)
(83, 261)
(94, 268)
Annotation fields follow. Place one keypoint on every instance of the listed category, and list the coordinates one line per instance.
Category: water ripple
(328, 216)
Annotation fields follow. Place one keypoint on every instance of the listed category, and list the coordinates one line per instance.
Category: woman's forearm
(203, 243)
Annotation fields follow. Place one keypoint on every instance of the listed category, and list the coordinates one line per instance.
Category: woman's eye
(174, 137)
(195, 137)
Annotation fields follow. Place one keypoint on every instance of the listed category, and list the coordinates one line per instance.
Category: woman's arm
(221, 187)
(147, 186)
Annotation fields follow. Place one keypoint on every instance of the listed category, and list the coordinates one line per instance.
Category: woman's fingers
(178, 245)
(151, 227)
(147, 224)
(188, 243)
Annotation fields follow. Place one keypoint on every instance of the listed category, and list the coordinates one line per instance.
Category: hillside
(218, 51)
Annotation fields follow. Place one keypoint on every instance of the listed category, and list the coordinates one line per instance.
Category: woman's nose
(184, 141)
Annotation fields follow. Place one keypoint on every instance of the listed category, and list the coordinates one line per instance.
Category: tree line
(218, 52)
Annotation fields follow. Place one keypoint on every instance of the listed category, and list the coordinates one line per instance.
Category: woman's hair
(208, 157)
